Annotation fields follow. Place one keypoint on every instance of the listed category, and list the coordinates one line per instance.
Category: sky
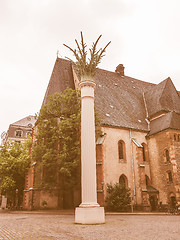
(144, 35)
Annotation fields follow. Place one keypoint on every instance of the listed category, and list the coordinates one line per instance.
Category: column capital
(87, 83)
(87, 89)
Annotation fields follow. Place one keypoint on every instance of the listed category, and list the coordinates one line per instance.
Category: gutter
(132, 162)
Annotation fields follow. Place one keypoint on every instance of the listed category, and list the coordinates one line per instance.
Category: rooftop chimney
(120, 70)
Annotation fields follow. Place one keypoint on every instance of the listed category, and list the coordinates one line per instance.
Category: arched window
(169, 176)
(123, 180)
(167, 155)
(144, 152)
(172, 198)
(178, 138)
(121, 150)
(29, 133)
(148, 181)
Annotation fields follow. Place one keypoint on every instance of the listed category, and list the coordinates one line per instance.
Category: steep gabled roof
(169, 120)
(162, 97)
(119, 99)
(170, 99)
(61, 78)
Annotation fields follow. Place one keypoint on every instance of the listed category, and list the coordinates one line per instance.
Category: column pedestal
(89, 215)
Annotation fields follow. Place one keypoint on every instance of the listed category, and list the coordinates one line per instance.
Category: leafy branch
(87, 67)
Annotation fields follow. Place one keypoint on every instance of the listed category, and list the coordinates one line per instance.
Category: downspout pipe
(132, 162)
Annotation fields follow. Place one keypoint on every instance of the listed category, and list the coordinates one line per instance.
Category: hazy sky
(145, 37)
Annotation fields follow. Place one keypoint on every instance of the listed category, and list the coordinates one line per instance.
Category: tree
(14, 162)
(56, 149)
(118, 198)
(57, 146)
(84, 66)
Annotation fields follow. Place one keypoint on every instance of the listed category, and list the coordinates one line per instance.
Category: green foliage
(118, 198)
(57, 146)
(87, 68)
(14, 161)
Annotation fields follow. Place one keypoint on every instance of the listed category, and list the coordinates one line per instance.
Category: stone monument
(89, 211)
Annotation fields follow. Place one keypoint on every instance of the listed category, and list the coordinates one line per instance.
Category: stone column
(89, 211)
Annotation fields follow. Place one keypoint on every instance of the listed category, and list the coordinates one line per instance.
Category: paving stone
(22, 226)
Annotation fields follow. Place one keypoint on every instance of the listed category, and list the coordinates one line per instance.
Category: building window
(144, 155)
(144, 152)
(148, 182)
(121, 150)
(123, 180)
(167, 155)
(174, 137)
(29, 133)
(18, 133)
(172, 200)
(30, 125)
(170, 178)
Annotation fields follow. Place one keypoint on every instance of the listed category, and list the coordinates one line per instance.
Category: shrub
(118, 198)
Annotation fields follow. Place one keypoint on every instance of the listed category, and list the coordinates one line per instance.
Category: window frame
(121, 151)
(19, 131)
(169, 176)
(167, 158)
(125, 180)
(29, 133)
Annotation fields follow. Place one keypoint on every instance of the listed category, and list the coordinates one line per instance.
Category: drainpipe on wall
(133, 172)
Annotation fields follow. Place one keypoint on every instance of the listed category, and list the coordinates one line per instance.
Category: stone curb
(72, 212)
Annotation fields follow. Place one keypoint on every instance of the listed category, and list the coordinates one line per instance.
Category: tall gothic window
(144, 152)
(167, 155)
(148, 182)
(170, 178)
(144, 155)
(121, 150)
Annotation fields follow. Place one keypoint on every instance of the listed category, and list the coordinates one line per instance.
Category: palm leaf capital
(87, 67)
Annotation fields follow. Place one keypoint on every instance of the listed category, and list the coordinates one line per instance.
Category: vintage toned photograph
(90, 119)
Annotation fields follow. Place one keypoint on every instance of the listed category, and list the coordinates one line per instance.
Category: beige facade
(132, 166)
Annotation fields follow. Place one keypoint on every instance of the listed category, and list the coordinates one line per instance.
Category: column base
(89, 215)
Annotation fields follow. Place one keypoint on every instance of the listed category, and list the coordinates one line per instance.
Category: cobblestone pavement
(57, 226)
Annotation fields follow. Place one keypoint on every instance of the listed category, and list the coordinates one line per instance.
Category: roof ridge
(126, 77)
(113, 72)
(165, 81)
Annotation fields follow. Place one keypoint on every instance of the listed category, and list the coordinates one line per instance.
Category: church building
(140, 141)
